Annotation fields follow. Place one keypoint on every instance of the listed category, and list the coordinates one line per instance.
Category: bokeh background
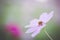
(23, 11)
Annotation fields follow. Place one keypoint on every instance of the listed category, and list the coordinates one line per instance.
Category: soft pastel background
(23, 11)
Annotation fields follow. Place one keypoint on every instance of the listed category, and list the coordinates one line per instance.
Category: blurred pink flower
(13, 29)
(36, 25)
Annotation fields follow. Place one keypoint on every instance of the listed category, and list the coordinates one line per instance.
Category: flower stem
(48, 35)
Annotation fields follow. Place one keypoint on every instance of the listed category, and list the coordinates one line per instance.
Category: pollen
(40, 23)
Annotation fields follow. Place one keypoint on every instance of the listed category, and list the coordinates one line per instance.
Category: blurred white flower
(36, 25)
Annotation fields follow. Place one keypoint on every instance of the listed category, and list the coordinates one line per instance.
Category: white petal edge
(30, 30)
(50, 16)
(35, 33)
(27, 26)
(43, 14)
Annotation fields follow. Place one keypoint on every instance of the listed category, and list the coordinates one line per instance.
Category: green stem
(48, 35)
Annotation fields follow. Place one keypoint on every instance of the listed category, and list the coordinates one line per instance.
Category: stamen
(40, 23)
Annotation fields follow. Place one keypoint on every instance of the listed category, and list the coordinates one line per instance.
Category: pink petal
(30, 30)
(50, 16)
(46, 17)
(36, 32)
(34, 23)
(43, 17)
(41, 27)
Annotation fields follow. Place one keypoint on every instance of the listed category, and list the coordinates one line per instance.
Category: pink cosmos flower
(13, 29)
(36, 25)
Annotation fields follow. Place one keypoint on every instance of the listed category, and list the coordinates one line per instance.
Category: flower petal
(46, 17)
(36, 32)
(30, 30)
(34, 22)
(43, 17)
(50, 16)
(27, 26)
(42, 26)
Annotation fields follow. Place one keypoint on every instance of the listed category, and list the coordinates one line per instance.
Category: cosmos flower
(13, 29)
(36, 25)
